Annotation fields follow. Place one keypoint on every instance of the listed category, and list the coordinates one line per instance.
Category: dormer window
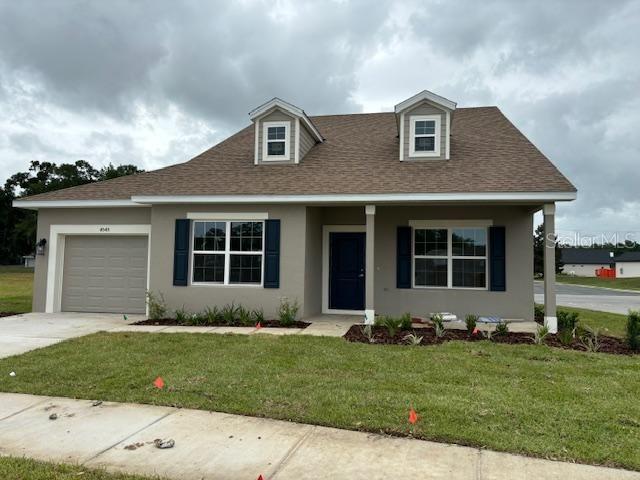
(276, 141)
(425, 136)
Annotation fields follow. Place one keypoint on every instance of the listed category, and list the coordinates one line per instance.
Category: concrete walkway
(119, 437)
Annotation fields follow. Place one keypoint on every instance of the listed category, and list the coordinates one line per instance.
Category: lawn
(12, 468)
(526, 399)
(612, 324)
(16, 285)
(619, 283)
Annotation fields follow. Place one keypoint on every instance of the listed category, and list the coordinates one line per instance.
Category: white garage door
(104, 274)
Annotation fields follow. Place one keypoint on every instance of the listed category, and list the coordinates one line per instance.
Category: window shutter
(403, 272)
(272, 254)
(181, 252)
(497, 259)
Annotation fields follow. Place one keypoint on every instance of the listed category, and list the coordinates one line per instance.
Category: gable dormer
(283, 133)
(424, 127)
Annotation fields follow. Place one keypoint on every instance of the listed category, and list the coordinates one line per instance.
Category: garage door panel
(105, 274)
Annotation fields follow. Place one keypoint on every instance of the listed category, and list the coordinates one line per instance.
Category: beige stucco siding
(628, 269)
(277, 116)
(424, 108)
(77, 216)
(313, 262)
(197, 297)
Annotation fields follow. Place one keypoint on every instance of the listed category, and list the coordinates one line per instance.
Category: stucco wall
(628, 269)
(197, 297)
(76, 216)
(313, 263)
(582, 270)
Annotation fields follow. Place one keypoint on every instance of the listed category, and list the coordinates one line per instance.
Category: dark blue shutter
(497, 259)
(181, 252)
(272, 254)
(403, 253)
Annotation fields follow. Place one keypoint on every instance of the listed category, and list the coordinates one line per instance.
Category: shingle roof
(586, 256)
(359, 156)
(628, 257)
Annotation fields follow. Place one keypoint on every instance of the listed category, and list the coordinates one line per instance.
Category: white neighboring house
(628, 265)
(583, 262)
(29, 261)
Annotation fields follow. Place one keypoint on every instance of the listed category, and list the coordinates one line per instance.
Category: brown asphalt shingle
(359, 155)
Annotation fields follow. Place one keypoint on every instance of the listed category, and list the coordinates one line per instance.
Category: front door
(346, 270)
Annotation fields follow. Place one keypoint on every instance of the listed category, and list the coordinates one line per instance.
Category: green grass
(12, 468)
(612, 324)
(526, 399)
(16, 286)
(619, 283)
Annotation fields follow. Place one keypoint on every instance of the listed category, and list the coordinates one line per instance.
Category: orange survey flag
(258, 326)
(413, 416)
(158, 382)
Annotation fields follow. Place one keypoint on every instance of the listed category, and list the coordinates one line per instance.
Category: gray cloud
(157, 82)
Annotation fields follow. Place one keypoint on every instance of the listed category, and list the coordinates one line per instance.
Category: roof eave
(256, 113)
(429, 96)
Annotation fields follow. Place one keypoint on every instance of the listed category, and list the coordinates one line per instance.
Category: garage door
(104, 274)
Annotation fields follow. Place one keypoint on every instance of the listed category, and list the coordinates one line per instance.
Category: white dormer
(283, 133)
(424, 126)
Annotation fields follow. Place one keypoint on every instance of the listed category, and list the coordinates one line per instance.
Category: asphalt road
(600, 299)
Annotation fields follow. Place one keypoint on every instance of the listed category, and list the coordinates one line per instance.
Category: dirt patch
(380, 335)
(266, 324)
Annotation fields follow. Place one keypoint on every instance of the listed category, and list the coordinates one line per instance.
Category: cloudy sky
(154, 83)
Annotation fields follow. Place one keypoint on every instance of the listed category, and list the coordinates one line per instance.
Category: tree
(538, 252)
(18, 226)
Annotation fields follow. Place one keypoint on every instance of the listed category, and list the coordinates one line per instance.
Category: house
(583, 262)
(29, 261)
(628, 265)
(426, 208)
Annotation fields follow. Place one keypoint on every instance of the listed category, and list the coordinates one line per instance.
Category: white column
(369, 312)
(550, 318)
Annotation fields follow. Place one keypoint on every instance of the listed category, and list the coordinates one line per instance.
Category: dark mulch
(265, 324)
(381, 336)
(8, 314)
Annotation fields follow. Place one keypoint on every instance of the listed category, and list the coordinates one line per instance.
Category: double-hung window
(425, 136)
(276, 141)
(228, 252)
(450, 257)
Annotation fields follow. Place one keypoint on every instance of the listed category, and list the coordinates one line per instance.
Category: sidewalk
(223, 446)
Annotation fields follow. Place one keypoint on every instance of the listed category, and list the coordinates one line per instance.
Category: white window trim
(227, 254)
(438, 132)
(265, 141)
(449, 257)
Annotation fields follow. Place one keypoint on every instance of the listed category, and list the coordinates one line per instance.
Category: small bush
(157, 306)
(212, 315)
(367, 331)
(538, 313)
(257, 315)
(541, 333)
(566, 336)
(229, 314)
(405, 322)
(633, 330)
(244, 317)
(182, 316)
(502, 327)
(471, 321)
(412, 339)
(567, 320)
(438, 324)
(287, 312)
(590, 339)
(195, 320)
(390, 323)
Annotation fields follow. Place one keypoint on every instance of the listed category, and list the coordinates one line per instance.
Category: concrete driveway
(21, 333)
(592, 298)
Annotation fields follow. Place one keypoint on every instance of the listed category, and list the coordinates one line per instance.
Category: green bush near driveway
(527, 399)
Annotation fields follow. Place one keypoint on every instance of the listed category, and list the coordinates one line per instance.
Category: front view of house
(428, 208)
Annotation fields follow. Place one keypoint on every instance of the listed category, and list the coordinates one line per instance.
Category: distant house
(29, 261)
(583, 262)
(628, 265)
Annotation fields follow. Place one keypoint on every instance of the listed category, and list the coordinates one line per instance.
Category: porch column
(550, 318)
(369, 312)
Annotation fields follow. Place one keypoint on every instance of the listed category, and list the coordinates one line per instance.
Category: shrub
(258, 315)
(538, 313)
(590, 339)
(391, 324)
(367, 331)
(182, 316)
(287, 312)
(633, 330)
(229, 314)
(412, 339)
(405, 322)
(541, 333)
(471, 321)
(567, 320)
(195, 319)
(502, 327)
(157, 306)
(438, 324)
(212, 315)
(244, 316)
(566, 336)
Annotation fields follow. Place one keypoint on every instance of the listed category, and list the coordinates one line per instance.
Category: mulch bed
(381, 336)
(8, 314)
(265, 324)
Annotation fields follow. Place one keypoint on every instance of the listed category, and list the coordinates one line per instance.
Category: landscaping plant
(287, 312)
(567, 320)
(212, 315)
(590, 339)
(229, 314)
(258, 315)
(502, 327)
(538, 313)
(367, 331)
(412, 339)
(471, 321)
(566, 336)
(244, 316)
(438, 324)
(405, 322)
(633, 330)
(541, 333)
(390, 323)
(182, 316)
(157, 306)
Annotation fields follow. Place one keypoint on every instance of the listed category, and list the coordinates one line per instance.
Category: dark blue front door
(346, 271)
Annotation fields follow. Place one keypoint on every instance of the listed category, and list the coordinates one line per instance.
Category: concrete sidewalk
(215, 445)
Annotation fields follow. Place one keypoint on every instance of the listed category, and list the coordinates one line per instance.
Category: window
(276, 141)
(425, 136)
(450, 257)
(228, 252)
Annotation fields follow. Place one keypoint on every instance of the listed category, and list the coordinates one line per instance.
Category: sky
(156, 82)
